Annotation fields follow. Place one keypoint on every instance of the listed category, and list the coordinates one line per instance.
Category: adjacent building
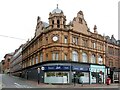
(112, 58)
(2, 66)
(6, 62)
(16, 62)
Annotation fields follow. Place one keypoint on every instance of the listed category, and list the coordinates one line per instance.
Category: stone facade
(60, 41)
(112, 55)
(71, 45)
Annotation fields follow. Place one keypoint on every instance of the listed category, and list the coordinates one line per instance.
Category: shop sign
(78, 68)
(57, 67)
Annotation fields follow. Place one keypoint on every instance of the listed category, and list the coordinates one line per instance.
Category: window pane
(56, 56)
(73, 39)
(100, 60)
(65, 57)
(65, 39)
(93, 60)
(41, 57)
(53, 56)
(74, 56)
(84, 57)
(36, 59)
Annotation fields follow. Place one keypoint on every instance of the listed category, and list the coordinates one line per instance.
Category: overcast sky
(18, 18)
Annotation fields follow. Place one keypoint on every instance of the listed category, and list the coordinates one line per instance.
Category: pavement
(12, 81)
(42, 85)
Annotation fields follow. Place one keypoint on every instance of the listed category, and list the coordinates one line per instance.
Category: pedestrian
(38, 78)
(38, 69)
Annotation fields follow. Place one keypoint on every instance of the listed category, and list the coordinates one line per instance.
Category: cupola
(57, 20)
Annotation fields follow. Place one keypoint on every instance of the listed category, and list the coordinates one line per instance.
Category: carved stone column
(80, 38)
(97, 58)
(70, 54)
(44, 55)
(104, 59)
(89, 57)
(38, 57)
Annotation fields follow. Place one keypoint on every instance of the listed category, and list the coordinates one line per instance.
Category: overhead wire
(11, 37)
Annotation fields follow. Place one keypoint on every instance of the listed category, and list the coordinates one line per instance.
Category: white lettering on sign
(58, 67)
(81, 68)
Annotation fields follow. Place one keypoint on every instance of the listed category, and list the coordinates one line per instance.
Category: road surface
(8, 82)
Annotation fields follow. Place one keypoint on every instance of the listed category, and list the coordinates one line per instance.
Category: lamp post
(38, 69)
(74, 77)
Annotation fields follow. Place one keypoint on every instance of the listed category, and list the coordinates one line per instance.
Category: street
(14, 82)
(8, 82)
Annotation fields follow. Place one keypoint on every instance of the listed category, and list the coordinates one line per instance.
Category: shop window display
(82, 77)
(56, 77)
(97, 77)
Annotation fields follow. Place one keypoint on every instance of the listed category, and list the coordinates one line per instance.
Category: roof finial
(95, 29)
(57, 6)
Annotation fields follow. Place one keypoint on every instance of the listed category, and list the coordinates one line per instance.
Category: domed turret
(57, 10)
(57, 19)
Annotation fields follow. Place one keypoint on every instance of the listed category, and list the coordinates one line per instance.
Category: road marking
(21, 86)
(17, 85)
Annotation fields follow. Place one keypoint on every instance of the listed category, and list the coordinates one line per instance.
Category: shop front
(56, 74)
(65, 73)
(115, 75)
(97, 74)
(81, 73)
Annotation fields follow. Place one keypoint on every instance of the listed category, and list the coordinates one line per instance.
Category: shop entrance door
(100, 78)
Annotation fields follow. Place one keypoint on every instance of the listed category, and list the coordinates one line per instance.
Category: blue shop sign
(80, 68)
(57, 67)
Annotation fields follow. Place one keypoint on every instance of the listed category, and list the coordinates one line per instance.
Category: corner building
(64, 52)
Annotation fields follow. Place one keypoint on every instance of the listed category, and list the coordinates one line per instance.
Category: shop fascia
(65, 67)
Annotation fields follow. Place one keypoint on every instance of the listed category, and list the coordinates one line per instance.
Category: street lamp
(38, 69)
(74, 77)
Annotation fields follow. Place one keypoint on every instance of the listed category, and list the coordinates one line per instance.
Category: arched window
(58, 23)
(74, 56)
(100, 60)
(55, 55)
(93, 59)
(84, 57)
(52, 23)
(32, 61)
(36, 59)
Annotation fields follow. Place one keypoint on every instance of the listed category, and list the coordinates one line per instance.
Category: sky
(18, 18)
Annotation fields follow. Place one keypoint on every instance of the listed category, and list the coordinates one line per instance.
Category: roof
(45, 24)
(10, 54)
(57, 10)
